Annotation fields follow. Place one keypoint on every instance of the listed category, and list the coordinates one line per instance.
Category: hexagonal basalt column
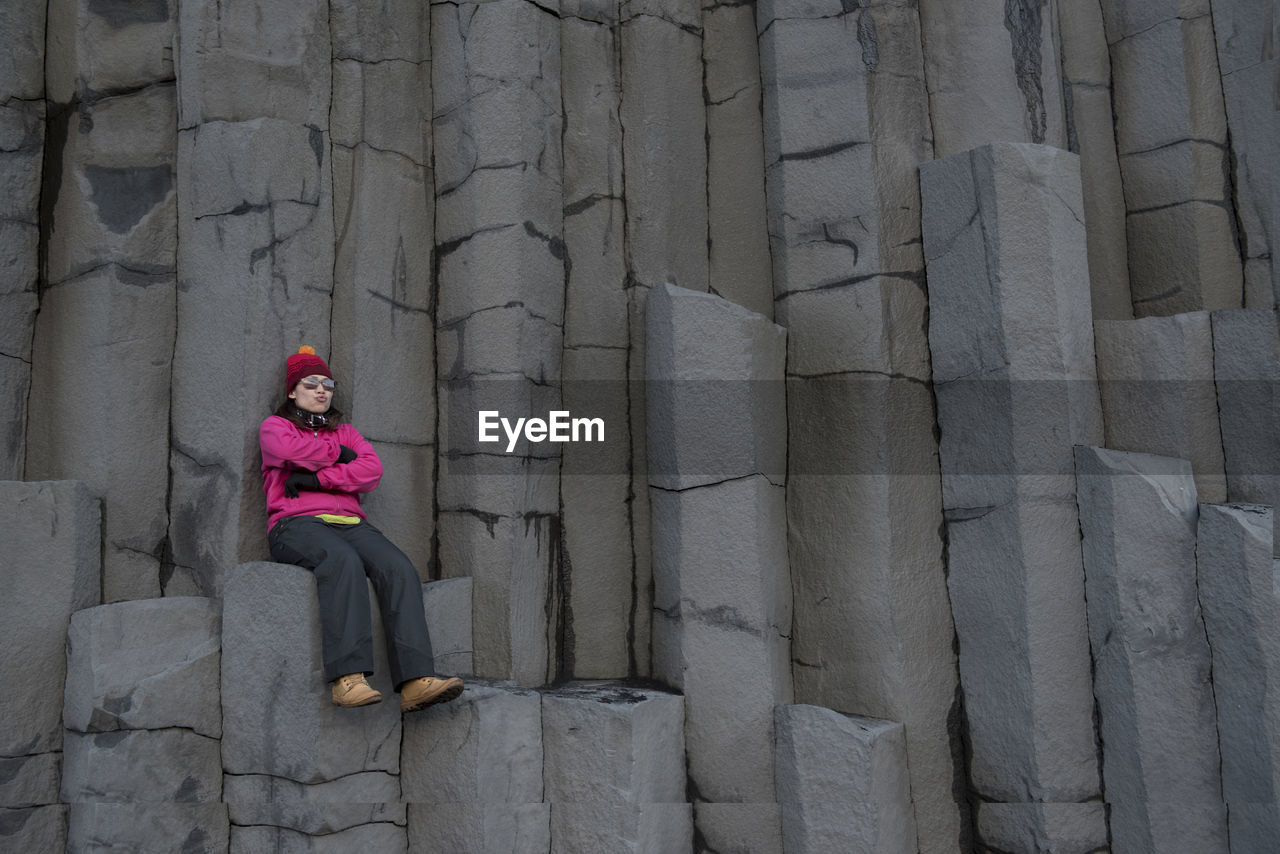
(1160, 763)
(1010, 332)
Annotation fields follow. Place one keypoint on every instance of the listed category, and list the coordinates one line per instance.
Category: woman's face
(313, 394)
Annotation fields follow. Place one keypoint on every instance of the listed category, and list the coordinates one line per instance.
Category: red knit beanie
(304, 363)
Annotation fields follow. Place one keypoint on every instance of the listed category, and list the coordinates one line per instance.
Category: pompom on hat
(304, 363)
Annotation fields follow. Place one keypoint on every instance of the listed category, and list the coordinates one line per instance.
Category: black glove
(347, 454)
(300, 480)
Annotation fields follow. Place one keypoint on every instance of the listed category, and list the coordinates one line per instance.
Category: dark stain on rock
(123, 13)
(124, 195)
(189, 792)
(197, 841)
(1022, 19)
(12, 821)
(108, 740)
(9, 768)
(870, 42)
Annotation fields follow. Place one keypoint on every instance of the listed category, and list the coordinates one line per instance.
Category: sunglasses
(312, 385)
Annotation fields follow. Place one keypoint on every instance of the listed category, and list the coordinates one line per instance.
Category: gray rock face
(141, 766)
(864, 512)
(722, 598)
(278, 718)
(383, 335)
(280, 840)
(500, 264)
(664, 123)
(1158, 397)
(1066, 828)
(318, 809)
(35, 828)
(237, 63)
(1151, 662)
(1086, 81)
(255, 240)
(1235, 581)
(30, 781)
(1250, 87)
(151, 828)
(843, 783)
(148, 664)
(1172, 145)
(993, 72)
(96, 47)
(447, 605)
(614, 769)
(1012, 348)
(1246, 369)
(51, 569)
(472, 773)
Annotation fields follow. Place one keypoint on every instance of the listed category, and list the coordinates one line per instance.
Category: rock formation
(933, 351)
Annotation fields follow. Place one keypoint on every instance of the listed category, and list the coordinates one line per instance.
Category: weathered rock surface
(842, 783)
(1158, 397)
(1012, 348)
(317, 809)
(993, 72)
(1236, 585)
(664, 123)
(35, 828)
(1066, 828)
(1156, 718)
(149, 664)
(447, 605)
(383, 334)
(141, 766)
(255, 243)
(1246, 372)
(722, 598)
(30, 781)
(100, 48)
(22, 132)
(1171, 138)
(279, 840)
(1091, 133)
(500, 267)
(1246, 36)
(472, 773)
(614, 769)
(278, 718)
(151, 828)
(50, 569)
(244, 61)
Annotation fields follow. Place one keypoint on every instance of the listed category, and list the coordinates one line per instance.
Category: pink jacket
(286, 447)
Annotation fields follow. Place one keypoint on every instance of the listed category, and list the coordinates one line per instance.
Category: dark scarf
(312, 420)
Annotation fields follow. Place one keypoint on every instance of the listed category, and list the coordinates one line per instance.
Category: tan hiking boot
(427, 691)
(354, 690)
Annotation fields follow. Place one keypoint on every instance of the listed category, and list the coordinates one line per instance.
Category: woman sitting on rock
(315, 470)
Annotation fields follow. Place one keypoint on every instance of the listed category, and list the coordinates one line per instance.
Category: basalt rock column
(500, 264)
(614, 769)
(1091, 133)
(105, 333)
(1158, 394)
(722, 595)
(1235, 579)
(383, 332)
(1171, 136)
(842, 783)
(22, 131)
(1247, 32)
(255, 262)
(1012, 343)
(993, 73)
(1246, 370)
(1160, 762)
(606, 537)
(863, 502)
(50, 537)
(738, 263)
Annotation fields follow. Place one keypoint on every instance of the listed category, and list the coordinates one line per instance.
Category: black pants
(341, 556)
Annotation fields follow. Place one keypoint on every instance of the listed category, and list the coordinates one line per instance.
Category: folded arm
(284, 446)
(361, 474)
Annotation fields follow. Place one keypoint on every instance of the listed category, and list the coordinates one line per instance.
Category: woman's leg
(399, 592)
(346, 631)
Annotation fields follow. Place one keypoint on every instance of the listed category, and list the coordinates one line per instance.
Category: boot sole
(367, 701)
(451, 692)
